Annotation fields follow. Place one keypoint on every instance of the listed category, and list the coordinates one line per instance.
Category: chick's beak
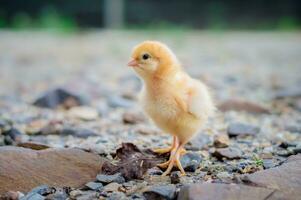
(133, 63)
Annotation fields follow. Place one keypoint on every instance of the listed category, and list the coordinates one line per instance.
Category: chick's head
(151, 58)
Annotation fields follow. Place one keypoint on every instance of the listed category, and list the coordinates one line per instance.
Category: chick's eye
(145, 56)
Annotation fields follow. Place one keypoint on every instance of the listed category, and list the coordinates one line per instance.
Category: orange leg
(168, 149)
(174, 159)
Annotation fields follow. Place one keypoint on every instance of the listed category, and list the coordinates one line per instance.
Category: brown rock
(286, 177)
(229, 153)
(213, 191)
(242, 105)
(22, 169)
(132, 117)
(221, 141)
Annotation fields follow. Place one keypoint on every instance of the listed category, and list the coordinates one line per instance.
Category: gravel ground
(261, 68)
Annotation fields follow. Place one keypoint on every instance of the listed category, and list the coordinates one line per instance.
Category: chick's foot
(174, 161)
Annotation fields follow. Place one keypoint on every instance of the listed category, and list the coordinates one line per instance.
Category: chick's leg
(168, 149)
(174, 160)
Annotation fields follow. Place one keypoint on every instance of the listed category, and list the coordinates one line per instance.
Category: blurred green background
(73, 15)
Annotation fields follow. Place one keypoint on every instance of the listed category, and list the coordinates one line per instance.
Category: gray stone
(59, 194)
(33, 196)
(112, 187)
(117, 101)
(293, 92)
(118, 178)
(199, 142)
(191, 161)
(167, 192)
(221, 141)
(59, 97)
(117, 196)
(294, 128)
(229, 153)
(88, 195)
(240, 129)
(12, 136)
(175, 177)
(78, 132)
(269, 163)
(94, 185)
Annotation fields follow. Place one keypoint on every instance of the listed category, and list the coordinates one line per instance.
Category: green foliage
(288, 23)
(258, 161)
(22, 21)
(49, 20)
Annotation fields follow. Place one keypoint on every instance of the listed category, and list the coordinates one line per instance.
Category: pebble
(118, 178)
(117, 196)
(190, 161)
(75, 193)
(59, 194)
(112, 187)
(132, 118)
(83, 112)
(154, 171)
(43, 190)
(59, 97)
(91, 195)
(240, 129)
(294, 128)
(33, 196)
(175, 177)
(167, 192)
(12, 136)
(119, 102)
(221, 141)
(291, 92)
(94, 185)
(269, 163)
(137, 197)
(200, 142)
(229, 153)
(5, 125)
(77, 132)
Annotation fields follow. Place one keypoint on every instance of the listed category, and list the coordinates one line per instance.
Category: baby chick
(177, 103)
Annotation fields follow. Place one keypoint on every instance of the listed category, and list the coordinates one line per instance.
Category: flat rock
(229, 153)
(213, 191)
(286, 177)
(94, 185)
(167, 192)
(22, 169)
(59, 97)
(77, 132)
(118, 178)
(241, 129)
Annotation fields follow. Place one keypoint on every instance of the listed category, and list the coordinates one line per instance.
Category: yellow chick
(176, 103)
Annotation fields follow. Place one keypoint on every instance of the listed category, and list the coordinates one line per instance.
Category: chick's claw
(174, 161)
(162, 150)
